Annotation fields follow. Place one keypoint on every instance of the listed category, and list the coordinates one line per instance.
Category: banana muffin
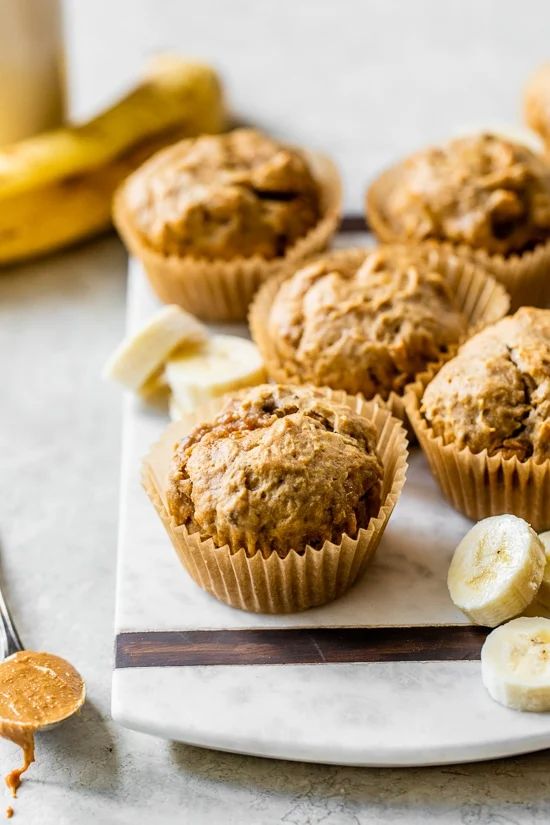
(483, 191)
(279, 468)
(364, 321)
(238, 194)
(495, 394)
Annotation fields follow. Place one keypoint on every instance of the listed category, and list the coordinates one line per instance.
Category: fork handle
(12, 642)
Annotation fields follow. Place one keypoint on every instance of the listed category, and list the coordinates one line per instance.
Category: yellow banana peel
(56, 188)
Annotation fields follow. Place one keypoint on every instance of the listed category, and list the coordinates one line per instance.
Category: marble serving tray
(387, 675)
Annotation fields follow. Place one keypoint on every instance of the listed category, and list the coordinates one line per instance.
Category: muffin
(369, 320)
(484, 194)
(484, 420)
(210, 217)
(276, 497)
(279, 468)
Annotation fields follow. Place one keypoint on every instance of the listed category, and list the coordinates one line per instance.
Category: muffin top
(280, 467)
(483, 191)
(223, 196)
(495, 394)
(362, 322)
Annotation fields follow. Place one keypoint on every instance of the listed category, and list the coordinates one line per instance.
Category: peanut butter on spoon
(37, 690)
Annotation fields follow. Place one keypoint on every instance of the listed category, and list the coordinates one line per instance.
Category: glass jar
(32, 87)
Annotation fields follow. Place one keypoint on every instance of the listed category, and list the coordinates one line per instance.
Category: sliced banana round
(515, 664)
(222, 364)
(543, 596)
(496, 570)
(140, 357)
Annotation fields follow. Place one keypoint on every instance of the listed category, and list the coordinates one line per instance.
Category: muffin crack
(529, 387)
(274, 195)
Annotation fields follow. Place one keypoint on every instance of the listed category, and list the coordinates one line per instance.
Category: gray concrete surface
(393, 75)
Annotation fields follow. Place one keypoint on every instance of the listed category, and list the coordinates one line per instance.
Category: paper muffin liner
(218, 290)
(272, 584)
(525, 276)
(477, 484)
(478, 296)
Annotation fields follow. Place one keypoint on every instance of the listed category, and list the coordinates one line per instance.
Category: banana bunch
(174, 354)
(56, 188)
(500, 568)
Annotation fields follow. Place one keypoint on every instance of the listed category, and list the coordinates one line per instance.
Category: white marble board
(358, 713)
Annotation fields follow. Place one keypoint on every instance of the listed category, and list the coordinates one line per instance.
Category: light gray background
(365, 81)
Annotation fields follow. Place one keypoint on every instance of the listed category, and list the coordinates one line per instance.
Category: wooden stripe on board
(353, 223)
(298, 646)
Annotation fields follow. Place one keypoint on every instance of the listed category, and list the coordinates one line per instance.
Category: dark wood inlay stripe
(298, 646)
(353, 223)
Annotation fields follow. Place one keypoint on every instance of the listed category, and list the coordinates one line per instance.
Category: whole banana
(56, 188)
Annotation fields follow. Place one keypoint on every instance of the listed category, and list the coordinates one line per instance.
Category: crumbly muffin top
(365, 323)
(483, 191)
(223, 196)
(280, 467)
(495, 394)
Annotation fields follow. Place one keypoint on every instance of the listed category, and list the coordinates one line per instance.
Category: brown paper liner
(477, 484)
(478, 296)
(216, 290)
(300, 580)
(525, 276)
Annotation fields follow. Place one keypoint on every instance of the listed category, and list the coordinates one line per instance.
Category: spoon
(37, 691)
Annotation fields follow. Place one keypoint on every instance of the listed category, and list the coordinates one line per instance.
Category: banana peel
(56, 188)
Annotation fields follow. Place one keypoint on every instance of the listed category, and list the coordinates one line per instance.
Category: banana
(173, 410)
(57, 187)
(543, 596)
(224, 363)
(155, 387)
(496, 570)
(515, 664)
(138, 361)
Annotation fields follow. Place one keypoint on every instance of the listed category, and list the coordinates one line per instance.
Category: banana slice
(543, 596)
(138, 358)
(155, 386)
(224, 363)
(515, 664)
(496, 570)
(173, 409)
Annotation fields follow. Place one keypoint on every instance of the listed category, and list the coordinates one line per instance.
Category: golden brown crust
(495, 394)
(365, 327)
(223, 196)
(283, 465)
(483, 191)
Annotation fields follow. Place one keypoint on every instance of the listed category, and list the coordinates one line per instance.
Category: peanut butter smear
(36, 690)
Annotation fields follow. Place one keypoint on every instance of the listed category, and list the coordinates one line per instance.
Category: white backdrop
(366, 80)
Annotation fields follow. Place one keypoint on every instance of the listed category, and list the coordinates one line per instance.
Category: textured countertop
(393, 75)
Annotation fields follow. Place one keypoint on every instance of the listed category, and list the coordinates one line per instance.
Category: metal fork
(11, 641)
